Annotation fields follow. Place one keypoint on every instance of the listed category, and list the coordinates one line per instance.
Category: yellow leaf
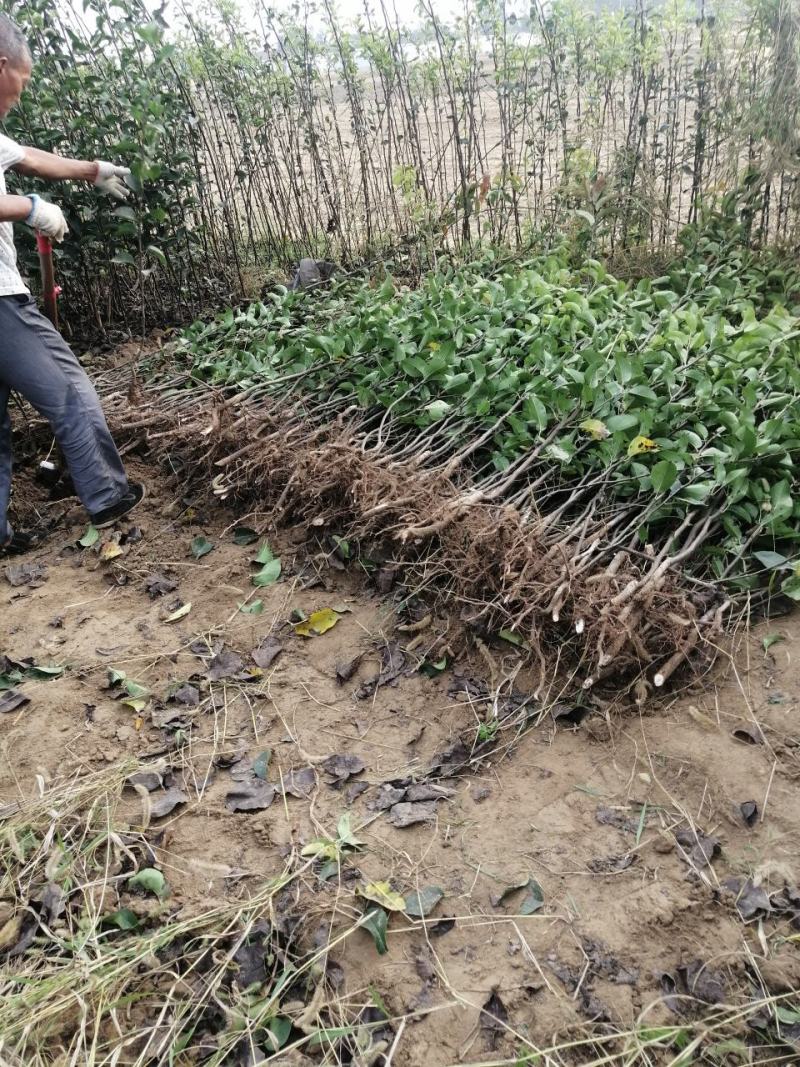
(318, 622)
(598, 430)
(110, 550)
(138, 722)
(383, 894)
(184, 609)
(434, 346)
(321, 849)
(137, 703)
(641, 444)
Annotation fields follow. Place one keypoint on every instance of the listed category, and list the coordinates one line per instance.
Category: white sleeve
(10, 152)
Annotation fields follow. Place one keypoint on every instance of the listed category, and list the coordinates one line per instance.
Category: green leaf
(134, 689)
(264, 554)
(150, 880)
(156, 254)
(345, 833)
(621, 422)
(433, 668)
(201, 546)
(771, 560)
(423, 901)
(124, 257)
(437, 409)
(124, 919)
(663, 475)
(243, 535)
(280, 1027)
(513, 638)
(269, 574)
(791, 587)
(91, 537)
(533, 899)
(376, 922)
(261, 764)
(125, 212)
(770, 640)
(43, 673)
(114, 677)
(254, 607)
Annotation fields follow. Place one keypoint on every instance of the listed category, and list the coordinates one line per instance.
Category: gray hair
(12, 42)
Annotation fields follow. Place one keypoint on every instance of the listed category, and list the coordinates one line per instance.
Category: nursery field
(440, 704)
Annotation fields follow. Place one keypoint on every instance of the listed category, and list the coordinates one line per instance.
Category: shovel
(50, 290)
(49, 472)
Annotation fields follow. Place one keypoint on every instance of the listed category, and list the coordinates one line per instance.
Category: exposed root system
(585, 587)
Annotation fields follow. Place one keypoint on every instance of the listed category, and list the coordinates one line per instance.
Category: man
(34, 359)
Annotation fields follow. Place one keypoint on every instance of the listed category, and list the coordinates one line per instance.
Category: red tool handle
(50, 290)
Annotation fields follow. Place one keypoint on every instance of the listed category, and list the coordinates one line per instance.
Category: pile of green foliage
(656, 401)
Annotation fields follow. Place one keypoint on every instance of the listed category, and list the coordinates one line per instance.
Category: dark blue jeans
(36, 362)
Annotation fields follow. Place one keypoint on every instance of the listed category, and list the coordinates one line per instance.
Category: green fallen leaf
(772, 639)
(124, 919)
(342, 545)
(254, 607)
(134, 689)
(243, 535)
(433, 668)
(317, 623)
(201, 546)
(328, 870)
(533, 899)
(43, 673)
(91, 536)
(422, 902)
(114, 677)
(150, 880)
(269, 573)
(345, 834)
(261, 764)
(264, 554)
(513, 638)
(376, 922)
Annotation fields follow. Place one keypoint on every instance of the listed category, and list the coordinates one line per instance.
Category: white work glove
(110, 180)
(47, 218)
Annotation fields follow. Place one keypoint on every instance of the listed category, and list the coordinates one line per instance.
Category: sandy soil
(593, 812)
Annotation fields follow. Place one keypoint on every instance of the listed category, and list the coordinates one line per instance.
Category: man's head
(15, 64)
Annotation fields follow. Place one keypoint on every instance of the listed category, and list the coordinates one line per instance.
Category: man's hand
(47, 219)
(110, 180)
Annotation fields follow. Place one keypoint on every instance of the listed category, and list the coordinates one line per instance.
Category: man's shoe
(108, 516)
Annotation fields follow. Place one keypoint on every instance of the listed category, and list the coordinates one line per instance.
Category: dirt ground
(629, 822)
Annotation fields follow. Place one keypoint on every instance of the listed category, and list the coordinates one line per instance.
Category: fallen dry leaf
(267, 652)
(300, 783)
(404, 814)
(342, 767)
(251, 796)
(163, 803)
